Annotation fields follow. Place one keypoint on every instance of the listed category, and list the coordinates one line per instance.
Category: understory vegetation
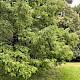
(67, 71)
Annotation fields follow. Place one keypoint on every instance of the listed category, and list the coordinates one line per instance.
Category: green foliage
(30, 39)
(15, 16)
(68, 71)
(68, 18)
(45, 12)
(16, 64)
(49, 74)
(53, 42)
(77, 9)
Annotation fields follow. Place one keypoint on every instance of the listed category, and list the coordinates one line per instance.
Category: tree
(77, 9)
(68, 18)
(69, 1)
(45, 12)
(30, 38)
(15, 15)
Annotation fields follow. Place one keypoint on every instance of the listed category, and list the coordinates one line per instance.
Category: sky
(75, 3)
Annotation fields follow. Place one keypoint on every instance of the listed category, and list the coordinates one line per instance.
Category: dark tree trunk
(15, 40)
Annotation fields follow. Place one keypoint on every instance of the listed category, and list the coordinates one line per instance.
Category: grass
(68, 71)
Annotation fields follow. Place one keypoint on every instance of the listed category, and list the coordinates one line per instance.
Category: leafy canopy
(30, 39)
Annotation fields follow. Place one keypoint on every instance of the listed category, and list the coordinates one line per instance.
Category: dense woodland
(37, 34)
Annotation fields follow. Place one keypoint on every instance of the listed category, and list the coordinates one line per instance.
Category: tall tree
(30, 38)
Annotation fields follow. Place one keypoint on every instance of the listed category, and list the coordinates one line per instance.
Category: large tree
(30, 38)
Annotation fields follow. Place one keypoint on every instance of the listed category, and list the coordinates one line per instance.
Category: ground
(68, 71)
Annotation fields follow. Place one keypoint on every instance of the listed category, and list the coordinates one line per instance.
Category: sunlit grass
(68, 71)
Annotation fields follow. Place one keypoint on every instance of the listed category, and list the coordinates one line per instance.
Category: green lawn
(68, 71)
